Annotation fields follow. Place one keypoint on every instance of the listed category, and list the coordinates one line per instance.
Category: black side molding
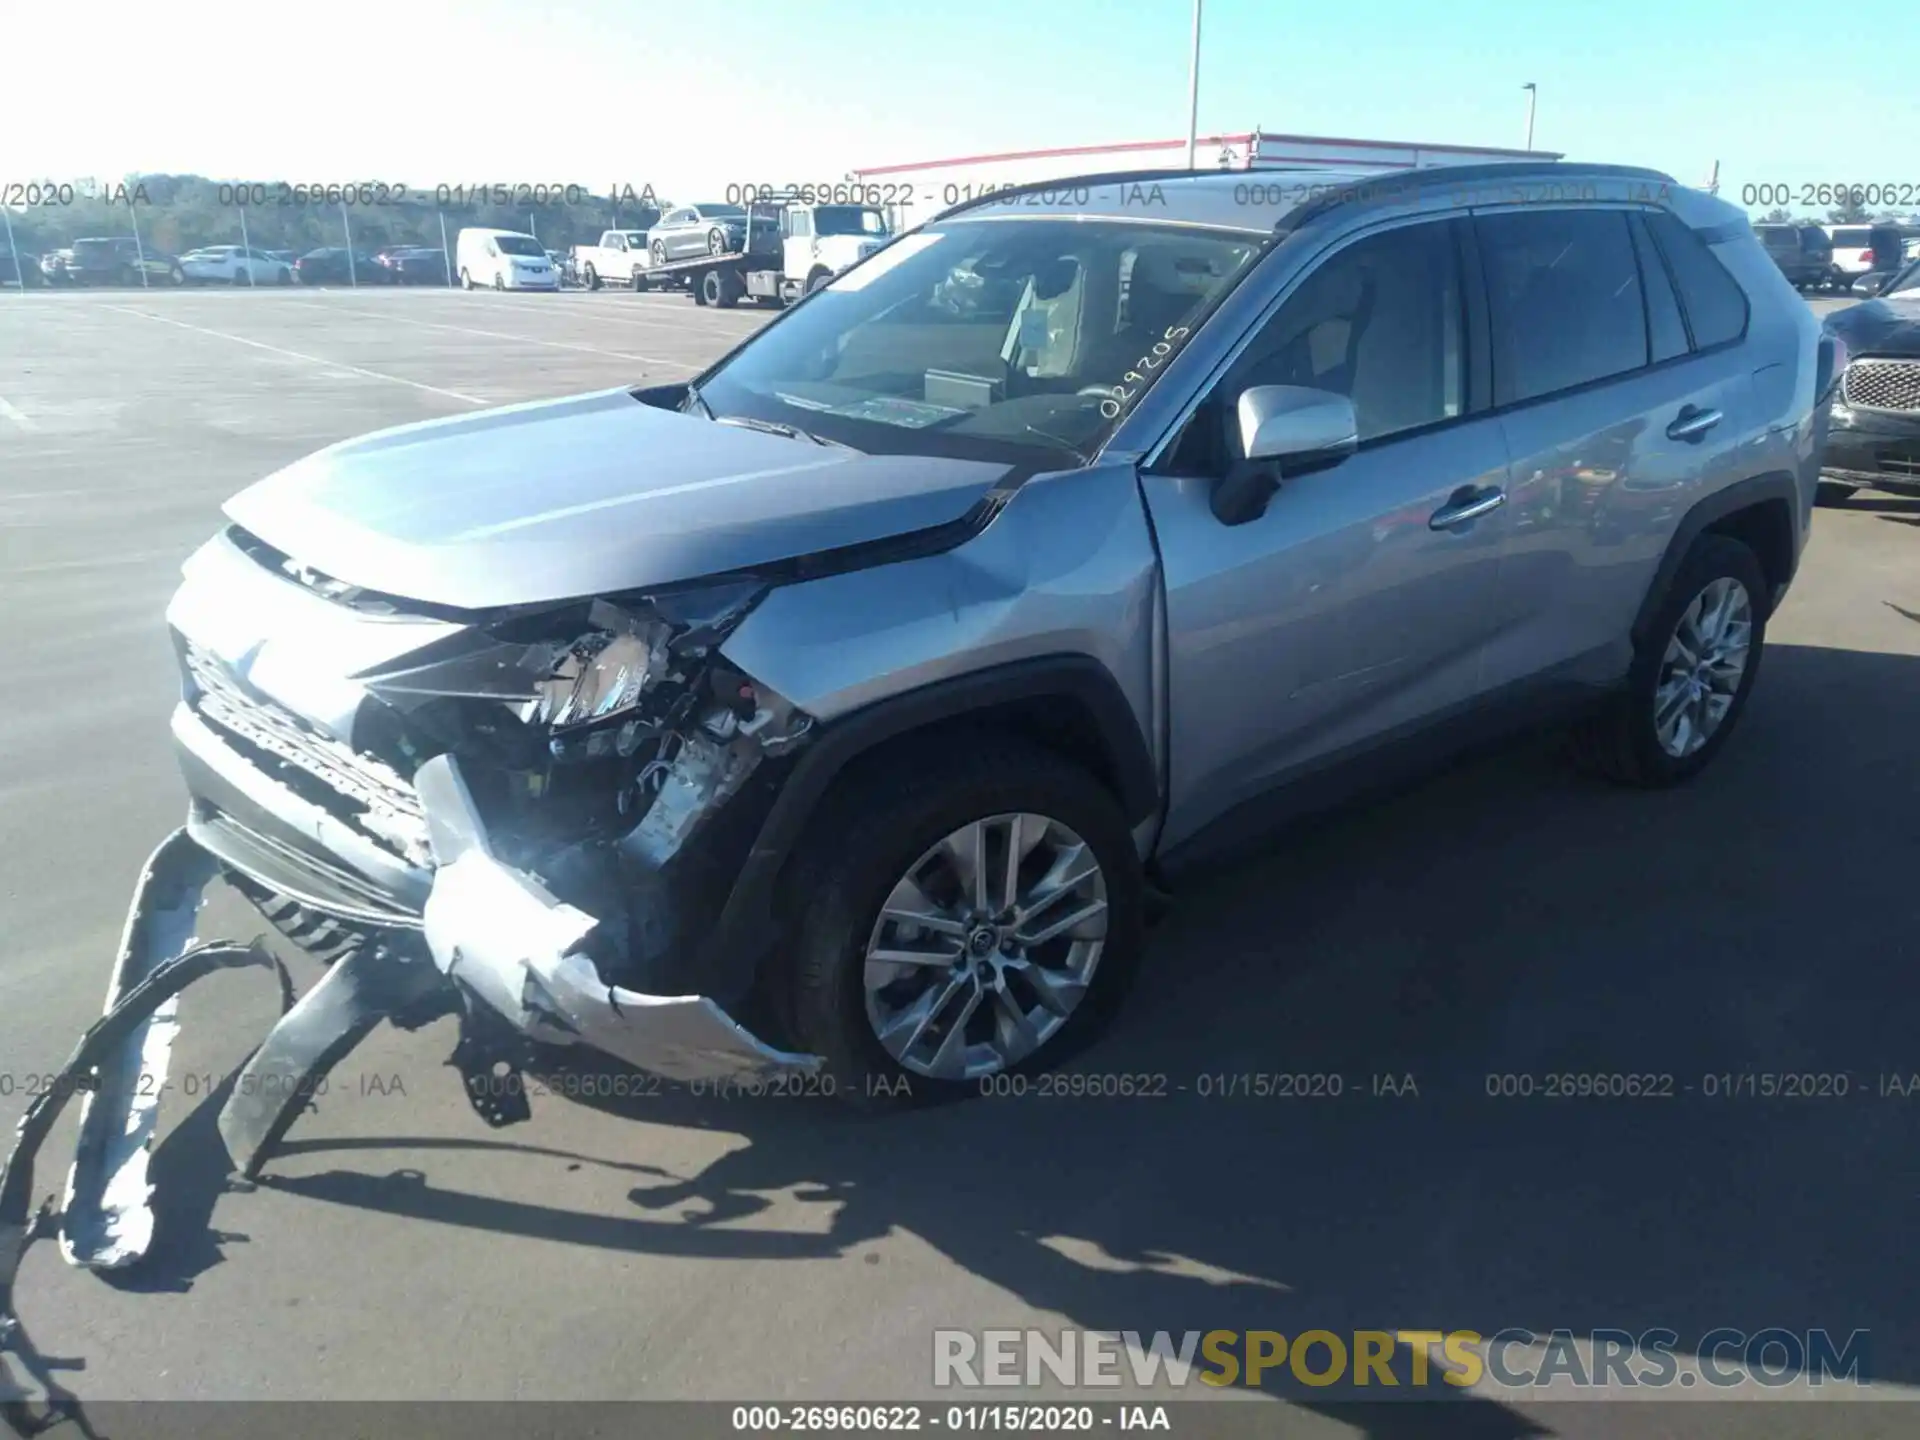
(746, 926)
(1757, 489)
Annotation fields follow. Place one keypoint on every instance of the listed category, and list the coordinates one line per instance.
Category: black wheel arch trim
(747, 927)
(1707, 511)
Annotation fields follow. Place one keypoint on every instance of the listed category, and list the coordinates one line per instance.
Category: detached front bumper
(494, 943)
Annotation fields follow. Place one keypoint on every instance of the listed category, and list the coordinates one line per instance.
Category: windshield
(848, 220)
(636, 239)
(983, 335)
(519, 245)
(720, 212)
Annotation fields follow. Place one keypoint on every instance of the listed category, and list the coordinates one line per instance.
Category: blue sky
(594, 91)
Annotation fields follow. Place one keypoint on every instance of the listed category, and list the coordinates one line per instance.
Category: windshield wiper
(694, 395)
(1066, 445)
(776, 427)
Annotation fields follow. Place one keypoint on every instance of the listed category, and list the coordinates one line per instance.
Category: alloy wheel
(1705, 662)
(986, 946)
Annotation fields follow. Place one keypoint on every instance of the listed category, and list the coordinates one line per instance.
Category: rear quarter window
(1714, 304)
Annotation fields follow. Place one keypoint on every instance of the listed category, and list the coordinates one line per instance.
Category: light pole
(1533, 94)
(1193, 87)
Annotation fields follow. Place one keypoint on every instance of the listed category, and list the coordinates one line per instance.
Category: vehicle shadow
(1433, 958)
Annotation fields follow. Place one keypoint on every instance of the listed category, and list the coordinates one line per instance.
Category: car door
(1358, 603)
(1619, 409)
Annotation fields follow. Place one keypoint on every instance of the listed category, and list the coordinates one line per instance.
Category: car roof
(1261, 201)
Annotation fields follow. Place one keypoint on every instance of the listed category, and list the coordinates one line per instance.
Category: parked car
(332, 265)
(854, 686)
(503, 259)
(1859, 250)
(285, 257)
(690, 230)
(1803, 252)
(235, 265)
(53, 267)
(1874, 439)
(20, 271)
(411, 265)
(121, 260)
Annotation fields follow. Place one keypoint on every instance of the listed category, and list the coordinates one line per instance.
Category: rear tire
(716, 241)
(698, 288)
(659, 252)
(466, 280)
(864, 842)
(639, 281)
(819, 280)
(591, 278)
(1623, 740)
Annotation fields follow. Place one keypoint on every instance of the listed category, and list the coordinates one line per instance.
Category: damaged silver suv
(828, 715)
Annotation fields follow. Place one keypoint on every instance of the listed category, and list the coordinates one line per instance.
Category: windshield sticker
(903, 249)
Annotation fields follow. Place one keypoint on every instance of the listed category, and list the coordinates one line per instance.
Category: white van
(504, 259)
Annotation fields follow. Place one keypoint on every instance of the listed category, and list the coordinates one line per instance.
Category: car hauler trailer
(791, 249)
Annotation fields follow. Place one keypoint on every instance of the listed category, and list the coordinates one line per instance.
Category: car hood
(1889, 326)
(587, 495)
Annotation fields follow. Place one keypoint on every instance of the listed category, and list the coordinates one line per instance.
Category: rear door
(1624, 391)
(1353, 606)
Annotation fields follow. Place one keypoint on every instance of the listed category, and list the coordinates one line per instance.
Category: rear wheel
(466, 280)
(717, 241)
(819, 279)
(976, 913)
(591, 277)
(659, 252)
(638, 280)
(1691, 675)
(499, 281)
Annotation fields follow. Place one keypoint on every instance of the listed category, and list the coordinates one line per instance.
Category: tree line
(177, 213)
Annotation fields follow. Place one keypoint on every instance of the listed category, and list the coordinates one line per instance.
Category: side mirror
(1284, 429)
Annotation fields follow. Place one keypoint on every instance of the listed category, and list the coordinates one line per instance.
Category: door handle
(1466, 504)
(1693, 424)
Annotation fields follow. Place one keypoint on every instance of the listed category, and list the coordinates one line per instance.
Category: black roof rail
(1417, 175)
(1074, 182)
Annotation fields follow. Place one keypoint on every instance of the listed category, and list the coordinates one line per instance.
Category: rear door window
(1564, 299)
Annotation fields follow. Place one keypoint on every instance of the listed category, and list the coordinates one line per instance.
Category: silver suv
(831, 718)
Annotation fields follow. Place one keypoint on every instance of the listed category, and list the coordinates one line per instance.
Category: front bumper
(1872, 447)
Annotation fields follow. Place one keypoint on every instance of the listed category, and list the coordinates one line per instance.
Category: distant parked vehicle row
(1845, 258)
(412, 265)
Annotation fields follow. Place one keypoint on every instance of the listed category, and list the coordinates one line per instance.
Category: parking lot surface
(1503, 919)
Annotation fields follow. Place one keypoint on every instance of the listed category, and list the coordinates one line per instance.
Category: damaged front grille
(388, 810)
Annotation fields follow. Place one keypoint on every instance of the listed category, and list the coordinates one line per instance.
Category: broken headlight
(604, 673)
(580, 667)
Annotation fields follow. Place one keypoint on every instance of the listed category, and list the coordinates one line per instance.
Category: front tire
(1691, 676)
(717, 241)
(975, 913)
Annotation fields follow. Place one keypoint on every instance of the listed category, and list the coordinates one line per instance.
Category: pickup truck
(620, 257)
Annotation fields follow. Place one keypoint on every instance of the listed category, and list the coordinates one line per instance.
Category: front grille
(382, 805)
(1883, 385)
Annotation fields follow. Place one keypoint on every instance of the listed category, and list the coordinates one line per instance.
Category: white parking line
(497, 335)
(17, 416)
(309, 359)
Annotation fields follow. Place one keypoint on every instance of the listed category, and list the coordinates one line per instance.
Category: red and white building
(935, 184)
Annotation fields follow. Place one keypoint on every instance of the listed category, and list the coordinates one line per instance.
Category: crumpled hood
(1880, 327)
(581, 496)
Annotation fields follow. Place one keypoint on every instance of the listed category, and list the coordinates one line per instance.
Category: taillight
(1866, 257)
